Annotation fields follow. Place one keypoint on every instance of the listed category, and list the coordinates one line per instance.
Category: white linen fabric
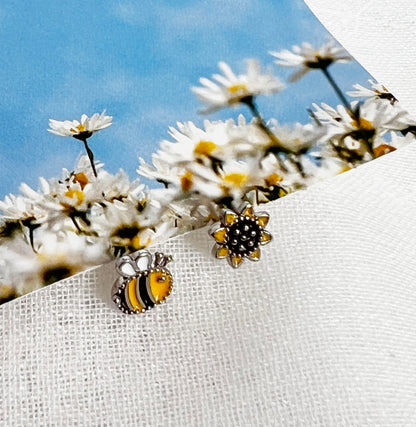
(381, 37)
(320, 332)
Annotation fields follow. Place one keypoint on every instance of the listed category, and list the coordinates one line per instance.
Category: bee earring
(143, 283)
(239, 234)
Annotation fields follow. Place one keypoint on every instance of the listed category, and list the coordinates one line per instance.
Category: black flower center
(244, 236)
(54, 274)
(83, 135)
(127, 232)
(319, 62)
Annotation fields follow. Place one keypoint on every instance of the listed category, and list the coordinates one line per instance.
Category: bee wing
(126, 266)
(143, 260)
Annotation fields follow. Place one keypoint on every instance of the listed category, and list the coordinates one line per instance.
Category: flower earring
(145, 281)
(239, 234)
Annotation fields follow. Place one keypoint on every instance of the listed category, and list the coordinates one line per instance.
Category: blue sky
(137, 60)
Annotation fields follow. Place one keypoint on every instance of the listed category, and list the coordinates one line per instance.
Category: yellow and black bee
(145, 281)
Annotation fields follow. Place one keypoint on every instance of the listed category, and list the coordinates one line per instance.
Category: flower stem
(338, 91)
(75, 222)
(262, 125)
(273, 138)
(90, 155)
(313, 116)
(31, 226)
(32, 239)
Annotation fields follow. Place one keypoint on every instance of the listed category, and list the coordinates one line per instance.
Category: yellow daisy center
(237, 179)
(77, 195)
(186, 181)
(239, 87)
(82, 179)
(362, 124)
(273, 179)
(138, 244)
(205, 148)
(383, 149)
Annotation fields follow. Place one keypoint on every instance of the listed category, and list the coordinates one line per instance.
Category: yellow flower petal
(265, 237)
(248, 211)
(235, 260)
(263, 218)
(222, 252)
(220, 235)
(230, 217)
(255, 255)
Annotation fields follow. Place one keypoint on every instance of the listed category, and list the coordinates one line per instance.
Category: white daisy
(68, 200)
(354, 137)
(59, 256)
(18, 262)
(190, 213)
(218, 141)
(307, 58)
(233, 181)
(230, 89)
(377, 90)
(372, 116)
(19, 208)
(195, 144)
(80, 129)
(297, 137)
(71, 198)
(197, 152)
(127, 229)
(160, 170)
(118, 186)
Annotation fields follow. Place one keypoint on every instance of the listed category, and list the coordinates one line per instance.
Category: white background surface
(320, 333)
(381, 35)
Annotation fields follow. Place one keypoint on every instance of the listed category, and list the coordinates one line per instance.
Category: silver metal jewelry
(143, 283)
(239, 234)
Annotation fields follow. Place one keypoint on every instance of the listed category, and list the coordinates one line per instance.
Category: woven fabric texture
(320, 332)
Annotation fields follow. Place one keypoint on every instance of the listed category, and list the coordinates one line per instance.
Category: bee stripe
(131, 297)
(144, 292)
